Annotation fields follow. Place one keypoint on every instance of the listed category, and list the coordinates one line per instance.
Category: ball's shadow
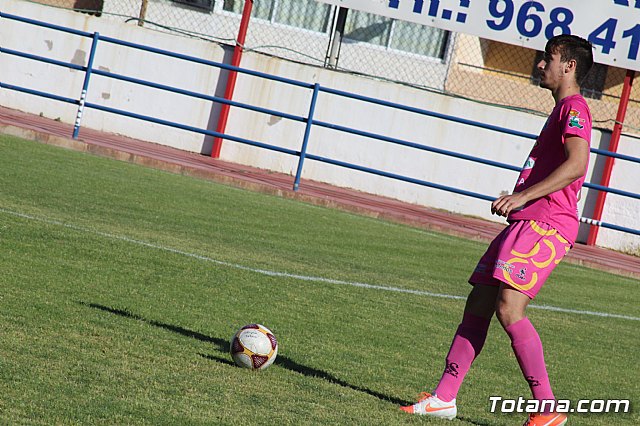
(222, 345)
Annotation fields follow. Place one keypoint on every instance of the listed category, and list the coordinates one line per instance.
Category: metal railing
(315, 89)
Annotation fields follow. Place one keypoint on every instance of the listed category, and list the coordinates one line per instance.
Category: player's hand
(505, 204)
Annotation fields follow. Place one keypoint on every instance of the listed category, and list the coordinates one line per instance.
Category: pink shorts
(522, 256)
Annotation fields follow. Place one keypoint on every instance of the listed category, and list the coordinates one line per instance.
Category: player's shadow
(222, 345)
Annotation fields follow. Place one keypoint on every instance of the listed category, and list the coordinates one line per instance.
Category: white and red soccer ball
(254, 346)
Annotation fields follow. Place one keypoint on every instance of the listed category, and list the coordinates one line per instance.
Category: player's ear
(570, 65)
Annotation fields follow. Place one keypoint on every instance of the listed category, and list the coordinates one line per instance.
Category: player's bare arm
(577, 153)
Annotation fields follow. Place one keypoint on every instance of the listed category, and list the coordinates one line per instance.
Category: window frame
(271, 21)
(388, 48)
(446, 44)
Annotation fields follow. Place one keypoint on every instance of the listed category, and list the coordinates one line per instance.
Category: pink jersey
(570, 117)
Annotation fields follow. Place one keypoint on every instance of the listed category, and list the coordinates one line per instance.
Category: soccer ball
(254, 346)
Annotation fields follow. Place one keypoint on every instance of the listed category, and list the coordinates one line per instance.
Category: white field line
(294, 276)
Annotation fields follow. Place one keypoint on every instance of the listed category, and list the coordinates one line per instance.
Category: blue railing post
(307, 131)
(85, 85)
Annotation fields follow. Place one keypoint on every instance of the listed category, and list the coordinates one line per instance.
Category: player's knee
(481, 301)
(508, 313)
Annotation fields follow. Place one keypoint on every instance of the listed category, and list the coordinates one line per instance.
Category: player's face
(551, 70)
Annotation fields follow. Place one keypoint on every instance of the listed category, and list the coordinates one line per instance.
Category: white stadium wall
(117, 59)
(294, 100)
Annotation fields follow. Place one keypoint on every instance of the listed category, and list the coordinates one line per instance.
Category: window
(420, 39)
(367, 27)
(307, 14)
(359, 27)
(398, 35)
(261, 9)
(198, 4)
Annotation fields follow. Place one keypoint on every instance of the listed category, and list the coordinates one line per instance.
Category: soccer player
(542, 226)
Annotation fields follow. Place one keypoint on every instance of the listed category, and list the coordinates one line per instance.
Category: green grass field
(121, 286)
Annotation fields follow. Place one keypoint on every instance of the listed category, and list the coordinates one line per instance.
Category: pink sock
(466, 346)
(527, 346)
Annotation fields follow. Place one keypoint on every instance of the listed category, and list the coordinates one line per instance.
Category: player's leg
(511, 305)
(527, 346)
(467, 341)
(465, 347)
(525, 263)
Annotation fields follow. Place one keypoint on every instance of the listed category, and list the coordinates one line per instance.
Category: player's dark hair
(573, 47)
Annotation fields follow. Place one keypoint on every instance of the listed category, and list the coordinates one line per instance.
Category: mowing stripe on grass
(294, 276)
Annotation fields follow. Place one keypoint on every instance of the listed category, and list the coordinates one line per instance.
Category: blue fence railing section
(309, 121)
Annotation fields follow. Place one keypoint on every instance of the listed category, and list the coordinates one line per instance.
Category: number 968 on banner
(612, 26)
(531, 18)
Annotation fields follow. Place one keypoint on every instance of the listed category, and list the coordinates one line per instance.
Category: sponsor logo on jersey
(575, 120)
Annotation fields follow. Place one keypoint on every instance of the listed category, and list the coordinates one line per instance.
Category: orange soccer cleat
(553, 419)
